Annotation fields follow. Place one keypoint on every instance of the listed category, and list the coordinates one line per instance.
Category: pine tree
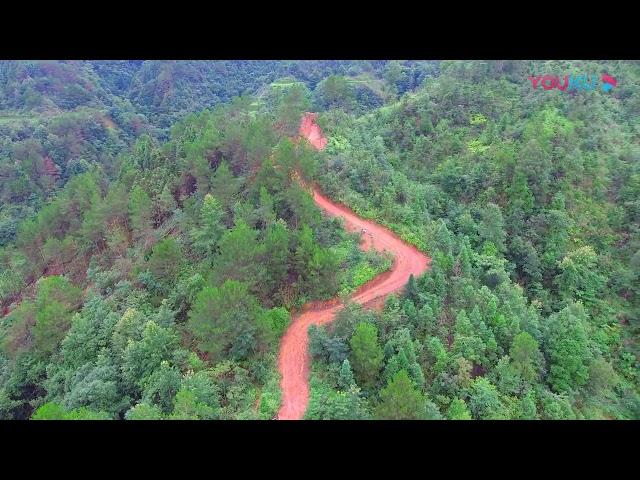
(525, 356)
(140, 211)
(401, 400)
(239, 257)
(56, 300)
(403, 357)
(345, 380)
(276, 260)
(266, 213)
(225, 187)
(411, 290)
(165, 205)
(225, 318)
(491, 228)
(165, 260)
(210, 228)
(294, 102)
(366, 353)
(464, 258)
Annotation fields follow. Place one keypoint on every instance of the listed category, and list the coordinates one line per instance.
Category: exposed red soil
(108, 122)
(294, 361)
(51, 168)
(310, 130)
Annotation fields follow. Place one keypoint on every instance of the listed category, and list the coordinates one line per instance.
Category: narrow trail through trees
(293, 360)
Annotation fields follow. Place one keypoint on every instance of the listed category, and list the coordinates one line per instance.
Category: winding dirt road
(293, 361)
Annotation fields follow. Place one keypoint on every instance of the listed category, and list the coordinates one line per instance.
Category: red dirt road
(294, 361)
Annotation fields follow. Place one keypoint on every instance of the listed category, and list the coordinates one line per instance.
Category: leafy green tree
(95, 386)
(458, 410)
(411, 289)
(437, 356)
(366, 353)
(558, 224)
(115, 206)
(316, 266)
(299, 208)
(52, 321)
(579, 278)
(527, 258)
(90, 333)
(144, 411)
(506, 378)
(602, 377)
(467, 342)
(7, 405)
(535, 164)
(53, 411)
(143, 357)
(187, 407)
(567, 348)
(393, 74)
(528, 409)
(162, 386)
(274, 322)
(129, 327)
(485, 402)
(198, 396)
(18, 335)
(304, 250)
(464, 263)
(328, 404)
(556, 407)
(318, 337)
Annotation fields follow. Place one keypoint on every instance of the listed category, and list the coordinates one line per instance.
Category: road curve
(293, 360)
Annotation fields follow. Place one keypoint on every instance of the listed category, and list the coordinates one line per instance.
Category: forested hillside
(155, 239)
(59, 119)
(527, 200)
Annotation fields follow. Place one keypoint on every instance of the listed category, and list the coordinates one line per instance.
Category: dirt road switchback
(293, 360)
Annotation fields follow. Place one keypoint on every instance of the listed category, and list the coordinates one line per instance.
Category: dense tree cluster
(153, 243)
(163, 292)
(60, 119)
(523, 199)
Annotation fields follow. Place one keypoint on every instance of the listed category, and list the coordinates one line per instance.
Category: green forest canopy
(153, 242)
